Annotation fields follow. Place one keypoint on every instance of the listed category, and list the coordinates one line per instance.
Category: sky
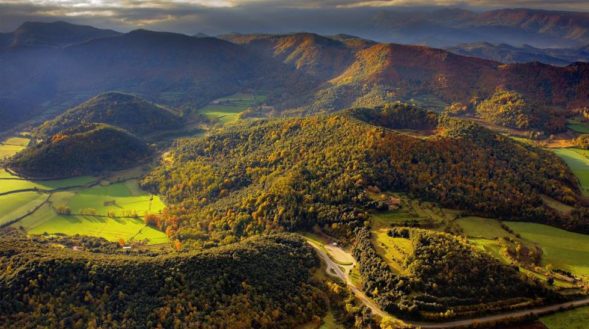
(224, 16)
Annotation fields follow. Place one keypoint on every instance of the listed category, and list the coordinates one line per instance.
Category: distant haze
(387, 21)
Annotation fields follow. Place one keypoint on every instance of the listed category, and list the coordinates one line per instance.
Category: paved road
(334, 270)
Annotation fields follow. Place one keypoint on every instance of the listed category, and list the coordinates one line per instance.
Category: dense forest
(82, 150)
(125, 111)
(264, 282)
(511, 109)
(292, 174)
(446, 278)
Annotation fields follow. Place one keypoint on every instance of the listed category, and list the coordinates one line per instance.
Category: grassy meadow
(110, 210)
(572, 319)
(578, 126)
(482, 228)
(15, 205)
(227, 109)
(12, 145)
(11, 183)
(562, 249)
(578, 161)
(102, 211)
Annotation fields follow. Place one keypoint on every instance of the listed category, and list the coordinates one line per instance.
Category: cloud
(222, 16)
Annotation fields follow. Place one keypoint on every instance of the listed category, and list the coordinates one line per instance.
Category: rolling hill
(86, 149)
(297, 173)
(125, 111)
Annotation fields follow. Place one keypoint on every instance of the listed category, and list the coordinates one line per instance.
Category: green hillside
(129, 112)
(296, 173)
(83, 150)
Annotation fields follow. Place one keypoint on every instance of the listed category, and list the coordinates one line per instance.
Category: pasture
(571, 319)
(563, 249)
(13, 183)
(482, 228)
(102, 211)
(12, 145)
(578, 126)
(15, 205)
(393, 250)
(110, 210)
(227, 109)
(578, 162)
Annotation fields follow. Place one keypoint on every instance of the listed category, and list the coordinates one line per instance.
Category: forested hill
(296, 173)
(260, 283)
(83, 150)
(126, 111)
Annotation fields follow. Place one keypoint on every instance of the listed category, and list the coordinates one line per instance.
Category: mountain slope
(56, 34)
(313, 54)
(129, 112)
(82, 150)
(172, 69)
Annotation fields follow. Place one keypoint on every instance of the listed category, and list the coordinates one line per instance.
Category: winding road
(334, 269)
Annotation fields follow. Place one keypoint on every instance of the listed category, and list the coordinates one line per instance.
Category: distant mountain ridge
(53, 35)
(510, 54)
(299, 73)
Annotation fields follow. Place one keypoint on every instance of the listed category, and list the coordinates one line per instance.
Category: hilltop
(263, 282)
(126, 111)
(82, 150)
(296, 173)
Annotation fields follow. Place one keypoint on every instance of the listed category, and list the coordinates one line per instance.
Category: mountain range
(506, 53)
(299, 73)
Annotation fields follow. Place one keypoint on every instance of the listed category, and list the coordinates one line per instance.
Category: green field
(8, 185)
(117, 198)
(227, 109)
(578, 161)
(573, 319)
(16, 205)
(12, 145)
(482, 228)
(562, 249)
(578, 126)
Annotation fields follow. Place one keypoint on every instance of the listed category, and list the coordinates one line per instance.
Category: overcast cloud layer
(223, 16)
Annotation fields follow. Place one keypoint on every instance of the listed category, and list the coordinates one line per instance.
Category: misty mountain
(173, 69)
(509, 54)
(56, 34)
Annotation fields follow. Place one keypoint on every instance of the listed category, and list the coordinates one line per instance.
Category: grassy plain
(116, 199)
(119, 199)
(578, 126)
(12, 145)
(572, 319)
(15, 183)
(13, 206)
(227, 109)
(578, 161)
(483, 228)
(562, 249)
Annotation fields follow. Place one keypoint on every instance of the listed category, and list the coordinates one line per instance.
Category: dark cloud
(246, 16)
